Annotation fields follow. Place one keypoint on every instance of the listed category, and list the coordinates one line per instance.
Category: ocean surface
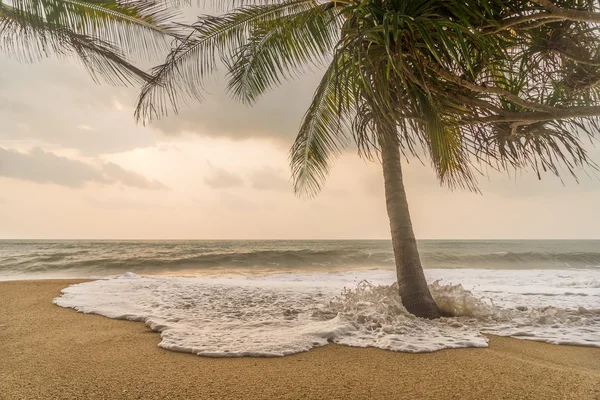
(25, 258)
(273, 298)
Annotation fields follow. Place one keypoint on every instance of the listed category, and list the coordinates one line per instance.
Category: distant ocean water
(272, 298)
(24, 258)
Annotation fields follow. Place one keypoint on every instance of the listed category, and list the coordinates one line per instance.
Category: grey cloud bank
(58, 104)
(276, 116)
(44, 167)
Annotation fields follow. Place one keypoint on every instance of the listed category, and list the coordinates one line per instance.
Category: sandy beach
(48, 352)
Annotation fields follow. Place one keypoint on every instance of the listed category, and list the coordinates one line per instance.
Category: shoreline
(49, 352)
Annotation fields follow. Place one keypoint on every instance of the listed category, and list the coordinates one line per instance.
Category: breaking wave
(282, 314)
(111, 258)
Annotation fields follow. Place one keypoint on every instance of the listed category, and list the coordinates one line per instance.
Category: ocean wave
(191, 260)
(500, 258)
(284, 314)
(118, 257)
(286, 259)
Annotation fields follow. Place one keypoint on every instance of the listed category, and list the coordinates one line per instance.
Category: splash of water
(283, 314)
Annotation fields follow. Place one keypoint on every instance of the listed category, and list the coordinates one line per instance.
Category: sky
(75, 165)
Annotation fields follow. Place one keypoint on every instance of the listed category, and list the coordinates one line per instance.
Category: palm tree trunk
(414, 291)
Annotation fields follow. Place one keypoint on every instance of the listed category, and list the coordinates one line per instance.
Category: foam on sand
(282, 314)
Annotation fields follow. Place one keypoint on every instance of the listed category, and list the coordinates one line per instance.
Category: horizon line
(285, 240)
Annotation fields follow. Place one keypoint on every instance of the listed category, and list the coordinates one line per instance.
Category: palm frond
(282, 49)
(504, 84)
(182, 75)
(139, 27)
(548, 146)
(445, 147)
(29, 38)
(324, 131)
(224, 6)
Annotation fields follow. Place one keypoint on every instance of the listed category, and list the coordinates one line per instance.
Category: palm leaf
(140, 27)
(182, 74)
(29, 39)
(483, 82)
(282, 49)
(445, 147)
(324, 131)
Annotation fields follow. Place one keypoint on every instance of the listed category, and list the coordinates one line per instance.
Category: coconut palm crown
(103, 34)
(467, 85)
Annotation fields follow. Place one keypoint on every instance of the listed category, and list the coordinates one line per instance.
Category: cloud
(270, 179)
(44, 167)
(68, 110)
(130, 178)
(221, 178)
(276, 116)
(266, 178)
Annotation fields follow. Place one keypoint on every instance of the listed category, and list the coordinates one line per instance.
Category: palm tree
(99, 32)
(467, 85)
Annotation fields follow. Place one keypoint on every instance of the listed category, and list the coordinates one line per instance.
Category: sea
(274, 298)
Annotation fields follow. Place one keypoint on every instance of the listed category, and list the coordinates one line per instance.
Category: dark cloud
(58, 104)
(221, 178)
(276, 116)
(270, 179)
(44, 167)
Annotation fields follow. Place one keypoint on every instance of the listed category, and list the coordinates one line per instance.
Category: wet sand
(48, 352)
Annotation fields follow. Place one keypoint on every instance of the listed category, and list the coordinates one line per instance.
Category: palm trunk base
(420, 306)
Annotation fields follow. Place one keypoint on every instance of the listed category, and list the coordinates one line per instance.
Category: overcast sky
(74, 164)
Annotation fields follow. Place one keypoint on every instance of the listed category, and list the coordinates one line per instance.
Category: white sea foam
(281, 314)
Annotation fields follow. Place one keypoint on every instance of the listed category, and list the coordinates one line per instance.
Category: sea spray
(455, 301)
(282, 314)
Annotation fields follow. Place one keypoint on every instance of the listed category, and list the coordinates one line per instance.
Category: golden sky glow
(73, 164)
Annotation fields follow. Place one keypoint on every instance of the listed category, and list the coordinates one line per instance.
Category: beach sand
(48, 352)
